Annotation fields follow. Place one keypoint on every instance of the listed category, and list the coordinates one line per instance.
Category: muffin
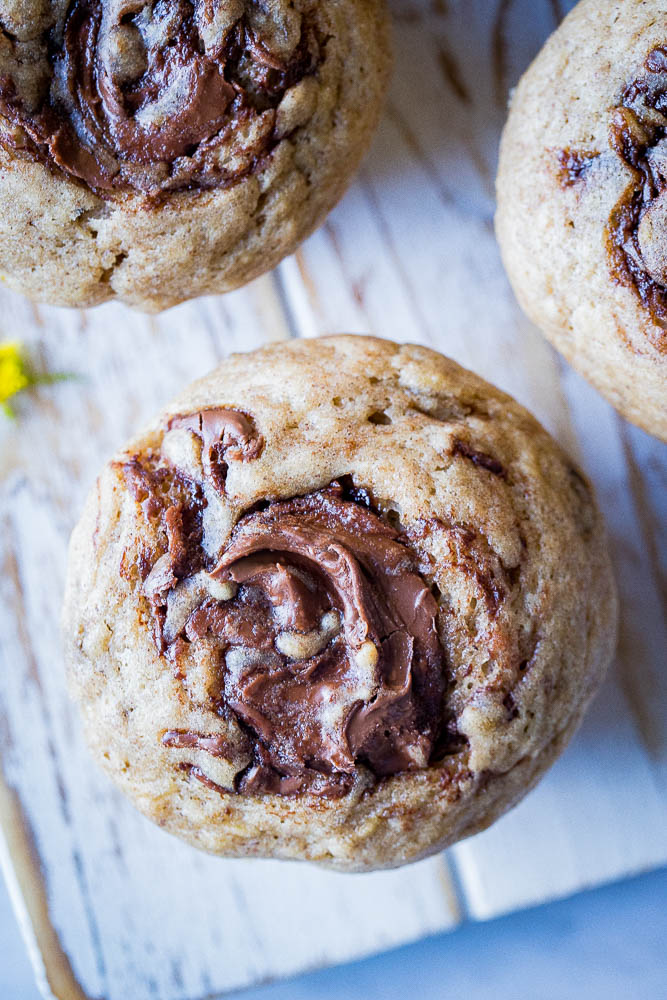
(342, 601)
(582, 200)
(153, 151)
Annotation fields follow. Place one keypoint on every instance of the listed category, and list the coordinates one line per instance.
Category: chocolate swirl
(224, 434)
(327, 653)
(353, 671)
(636, 231)
(156, 96)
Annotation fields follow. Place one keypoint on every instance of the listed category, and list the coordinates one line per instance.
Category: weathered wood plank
(123, 896)
(598, 815)
(136, 912)
(631, 503)
(21, 868)
(602, 811)
(409, 254)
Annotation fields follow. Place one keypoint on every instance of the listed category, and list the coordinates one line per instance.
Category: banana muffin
(343, 601)
(156, 151)
(582, 200)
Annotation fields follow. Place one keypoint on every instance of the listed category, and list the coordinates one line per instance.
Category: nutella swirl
(327, 653)
(156, 96)
(353, 671)
(636, 232)
(224, 434)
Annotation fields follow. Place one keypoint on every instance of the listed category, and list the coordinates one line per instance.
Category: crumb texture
(342, 601)
(157, 151)
(582, 200)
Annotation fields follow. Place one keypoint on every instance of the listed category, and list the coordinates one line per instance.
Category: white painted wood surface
(110, 906)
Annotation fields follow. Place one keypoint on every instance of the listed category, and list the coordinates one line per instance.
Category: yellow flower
(13, 374)
(16, 374)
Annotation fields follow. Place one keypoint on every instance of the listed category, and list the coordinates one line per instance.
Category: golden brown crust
(95, 207)
(581, 200)
(505, 532)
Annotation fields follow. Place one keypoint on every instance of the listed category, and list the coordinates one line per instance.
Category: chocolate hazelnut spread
(636, 234)
(359, 676)
(148, 96)
(223, 433)
(478, 458)
(574, 164)
(328, 654)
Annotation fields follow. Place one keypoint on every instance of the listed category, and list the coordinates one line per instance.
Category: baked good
(582, 200)
(342, 601)
(153, 151)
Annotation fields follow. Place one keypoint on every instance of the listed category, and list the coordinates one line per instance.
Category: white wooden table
(110, 906)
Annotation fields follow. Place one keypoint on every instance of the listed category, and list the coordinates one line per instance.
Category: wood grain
(123, 898)
(110, 906)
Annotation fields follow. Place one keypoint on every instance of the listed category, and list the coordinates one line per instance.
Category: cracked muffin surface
(343, 601)
(154, 151)
(582, 200)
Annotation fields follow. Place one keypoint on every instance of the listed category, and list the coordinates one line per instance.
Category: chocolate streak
(224, 434)
(323, 632)
(373, 693)
(479, 458)
(138, 101)
(216, 745)
(573, 165)
(638, 136)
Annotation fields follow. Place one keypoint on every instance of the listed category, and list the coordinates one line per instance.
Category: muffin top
(342, 601)
(155, 97)
(154, 151)
(582, 196)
